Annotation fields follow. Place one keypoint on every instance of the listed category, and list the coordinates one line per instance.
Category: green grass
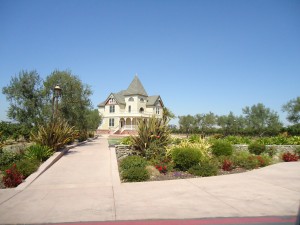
(114, 141)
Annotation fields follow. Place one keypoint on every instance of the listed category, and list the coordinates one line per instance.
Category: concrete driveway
(84, 185)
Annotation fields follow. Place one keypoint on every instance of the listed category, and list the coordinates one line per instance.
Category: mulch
(185, 175)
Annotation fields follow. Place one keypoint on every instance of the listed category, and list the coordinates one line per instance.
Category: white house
(121, 111)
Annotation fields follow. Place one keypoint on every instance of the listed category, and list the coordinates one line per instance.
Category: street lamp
(56, 95)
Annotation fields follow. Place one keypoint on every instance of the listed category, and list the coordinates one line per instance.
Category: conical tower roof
(136, 88)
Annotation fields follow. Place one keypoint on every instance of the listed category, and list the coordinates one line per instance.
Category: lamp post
(56, 95)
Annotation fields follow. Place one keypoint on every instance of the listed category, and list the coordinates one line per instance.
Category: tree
(168, 115)
(262, 120)
(93, 119)
(74, 105)
(231, 124)
(187, 123)
(205, 122)
(293, 110)
(26, 99)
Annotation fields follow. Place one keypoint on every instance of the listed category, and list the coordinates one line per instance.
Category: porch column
(131, 123)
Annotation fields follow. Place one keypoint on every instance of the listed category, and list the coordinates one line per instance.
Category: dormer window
(141, 100)
(131, 99)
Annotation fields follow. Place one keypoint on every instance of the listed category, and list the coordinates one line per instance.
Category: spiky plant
(153, 137)
(54, 134)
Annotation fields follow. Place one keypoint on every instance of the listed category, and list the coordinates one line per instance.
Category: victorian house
(121, 111)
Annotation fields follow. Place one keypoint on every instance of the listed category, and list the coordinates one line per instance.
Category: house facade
(121, 111)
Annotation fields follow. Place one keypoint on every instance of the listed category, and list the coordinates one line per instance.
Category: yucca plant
(153, 137)
(38, 152)
(55, 134)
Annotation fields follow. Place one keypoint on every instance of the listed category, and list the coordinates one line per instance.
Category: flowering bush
(289, 157)
(162, 169)
(12, 177)
(227, 165)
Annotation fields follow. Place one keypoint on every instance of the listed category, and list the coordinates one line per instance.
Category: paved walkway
(84, 186)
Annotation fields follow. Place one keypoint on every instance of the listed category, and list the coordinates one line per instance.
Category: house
(121, 111)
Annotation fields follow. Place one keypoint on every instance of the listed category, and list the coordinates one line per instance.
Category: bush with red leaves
(12, 177)
(289, 157)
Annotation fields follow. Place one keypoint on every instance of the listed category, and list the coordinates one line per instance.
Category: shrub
(54, 134)
(126, 141)
(222, 148)
(12, 177)
(7, 158)
(202, 145)
(135, 174)
(82, 136)
(245, 160)
(185, 158)
(205, 168)
(264, 160)
(256, 148)
(38, 152)
(151, 132)
(289, 157)
(27, 166)
(227, 165)
(91, 134)
(133, 162)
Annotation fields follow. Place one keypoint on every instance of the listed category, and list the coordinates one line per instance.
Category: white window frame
(111, 122)
(157, 110)
(112, 108)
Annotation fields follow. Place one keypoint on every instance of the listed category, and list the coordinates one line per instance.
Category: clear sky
(200, 56)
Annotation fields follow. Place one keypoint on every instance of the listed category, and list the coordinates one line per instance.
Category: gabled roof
(119, 97)
(136, 88)
(152, 100)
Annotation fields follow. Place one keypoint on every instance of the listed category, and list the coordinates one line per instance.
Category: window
(141, 110)
(157, 110)
(141, 100)
(131, 99)
(111, 108)
(111, 122)
(129, 108)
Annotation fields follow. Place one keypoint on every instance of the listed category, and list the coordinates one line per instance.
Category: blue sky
(200, 56)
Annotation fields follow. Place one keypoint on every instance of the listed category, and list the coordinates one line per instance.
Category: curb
(48, 163)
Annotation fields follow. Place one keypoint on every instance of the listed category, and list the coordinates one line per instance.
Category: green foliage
(185, 158)
(132, 161)
(55, 134)
(205, 168)
(231, 124)
(256, 148)
(221, 147)
(38, 152)
(7, 158)
(26, 99)
(293, 110)
(93, 119)
(237, 140)
(187, 124)
(153, 136)
(133, 169)
(262, 120)
(82, 136)
(271, 151)
(126, 141)
(74, 105)
(248, 161)
(27, 166)
(135, 174)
